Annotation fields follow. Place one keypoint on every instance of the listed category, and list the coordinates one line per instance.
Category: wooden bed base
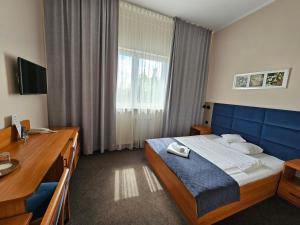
(250, 194)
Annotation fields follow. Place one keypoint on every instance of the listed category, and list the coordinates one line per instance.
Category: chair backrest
(53, 211)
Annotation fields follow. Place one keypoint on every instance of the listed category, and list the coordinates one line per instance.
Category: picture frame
(262, 80)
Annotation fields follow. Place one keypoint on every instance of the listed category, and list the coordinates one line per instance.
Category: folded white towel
(179, 150)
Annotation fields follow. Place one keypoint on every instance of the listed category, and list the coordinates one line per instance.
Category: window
(141, 81)
(145, 41)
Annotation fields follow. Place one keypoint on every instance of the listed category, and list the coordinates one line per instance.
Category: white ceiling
(213, 14)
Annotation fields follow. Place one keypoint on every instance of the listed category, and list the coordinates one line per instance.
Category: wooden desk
(42, 157)
(23, 219)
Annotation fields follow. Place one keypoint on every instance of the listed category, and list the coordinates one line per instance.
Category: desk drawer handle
(66, 163)
(292, 194)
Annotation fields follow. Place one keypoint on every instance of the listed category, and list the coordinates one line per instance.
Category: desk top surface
(35, 158)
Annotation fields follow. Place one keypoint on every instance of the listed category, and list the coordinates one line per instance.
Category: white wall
(21, 34)
(266, 40)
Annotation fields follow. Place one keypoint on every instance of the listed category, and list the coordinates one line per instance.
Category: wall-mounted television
(32, 78)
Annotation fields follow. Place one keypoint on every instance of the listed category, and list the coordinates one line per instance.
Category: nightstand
(200, 130)
(289, 186)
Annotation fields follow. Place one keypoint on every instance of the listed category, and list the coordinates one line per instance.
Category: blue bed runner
(209, 185)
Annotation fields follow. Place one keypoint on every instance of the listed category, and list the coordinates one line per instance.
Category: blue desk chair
(48, 201)
(39, 201)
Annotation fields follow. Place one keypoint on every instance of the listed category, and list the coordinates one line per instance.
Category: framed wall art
(262, 80)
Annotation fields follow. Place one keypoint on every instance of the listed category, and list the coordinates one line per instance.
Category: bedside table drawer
(200, 130)
(289, 193)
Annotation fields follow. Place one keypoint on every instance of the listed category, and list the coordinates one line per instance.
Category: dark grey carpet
(112, 189)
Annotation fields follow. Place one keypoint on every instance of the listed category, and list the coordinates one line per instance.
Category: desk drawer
(71, 154)
(66, 153)
(289, 193)
(77, 155)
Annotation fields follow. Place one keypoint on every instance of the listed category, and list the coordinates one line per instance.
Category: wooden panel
(55, 171)
(23, 219)
(77, 155)
(177, 190)
(251, 193)
(66, 153)
(295, 164)
(197, 130)
(289, 193)
(289, 187)
(26, 124)
(9, 135)
(12, 208)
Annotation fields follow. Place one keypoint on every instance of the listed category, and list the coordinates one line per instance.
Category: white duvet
(224, 157)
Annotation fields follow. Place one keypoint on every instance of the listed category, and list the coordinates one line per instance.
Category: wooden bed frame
(250, 194)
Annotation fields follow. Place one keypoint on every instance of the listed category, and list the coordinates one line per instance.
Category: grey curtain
(187, 78)
(82, 53)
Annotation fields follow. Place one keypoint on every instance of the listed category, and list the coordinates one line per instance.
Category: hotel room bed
(253, 186)
(257, 126)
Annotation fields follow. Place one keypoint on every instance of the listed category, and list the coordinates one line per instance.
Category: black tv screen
(32, 78)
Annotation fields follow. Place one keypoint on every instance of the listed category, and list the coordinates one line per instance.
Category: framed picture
(277, 79)
(262, 80)
(241, 81)
(256, 80)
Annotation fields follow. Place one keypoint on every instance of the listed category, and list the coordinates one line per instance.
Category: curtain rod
(170, 17)
(140, 6)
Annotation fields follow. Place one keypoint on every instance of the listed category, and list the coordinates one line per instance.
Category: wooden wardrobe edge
(251, 193)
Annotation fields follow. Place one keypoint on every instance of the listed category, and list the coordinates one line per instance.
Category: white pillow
(246, 148)
(230, 138)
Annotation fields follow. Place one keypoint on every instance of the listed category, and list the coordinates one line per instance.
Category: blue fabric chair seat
(39, 201)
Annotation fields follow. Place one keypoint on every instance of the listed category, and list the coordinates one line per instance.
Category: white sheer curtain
(145, 40)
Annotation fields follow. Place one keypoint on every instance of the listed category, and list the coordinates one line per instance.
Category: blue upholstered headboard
(276, 131)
